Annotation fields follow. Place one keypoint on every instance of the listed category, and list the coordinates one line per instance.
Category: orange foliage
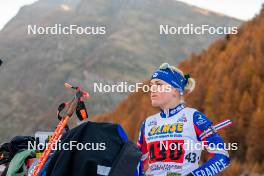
(230, 84)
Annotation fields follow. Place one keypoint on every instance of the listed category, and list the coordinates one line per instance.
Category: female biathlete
(172, 140)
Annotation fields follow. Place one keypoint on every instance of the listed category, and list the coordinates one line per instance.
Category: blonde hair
(191, 82)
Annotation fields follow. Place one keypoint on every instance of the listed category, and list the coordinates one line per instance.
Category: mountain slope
(36, 67)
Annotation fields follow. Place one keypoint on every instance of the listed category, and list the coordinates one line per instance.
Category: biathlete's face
(162, 93)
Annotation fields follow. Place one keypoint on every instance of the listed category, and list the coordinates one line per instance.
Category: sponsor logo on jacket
(166, 129)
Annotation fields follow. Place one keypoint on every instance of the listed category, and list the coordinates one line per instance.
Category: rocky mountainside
(36, 66)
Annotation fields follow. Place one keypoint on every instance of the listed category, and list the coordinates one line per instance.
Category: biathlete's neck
(170, 105)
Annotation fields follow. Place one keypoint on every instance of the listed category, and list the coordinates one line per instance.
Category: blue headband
(171, 77)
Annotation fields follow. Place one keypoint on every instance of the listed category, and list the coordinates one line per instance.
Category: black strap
(81, 112)
(60, 108)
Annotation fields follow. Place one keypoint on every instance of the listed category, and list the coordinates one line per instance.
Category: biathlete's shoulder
(190, 110)
(199, 119)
